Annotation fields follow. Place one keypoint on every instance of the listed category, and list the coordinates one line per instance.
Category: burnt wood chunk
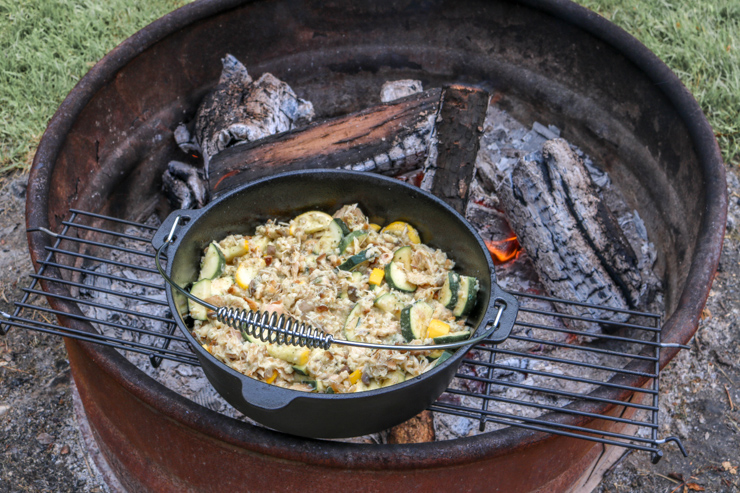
(390, 138)
(418, 429)
(240, 109)
(458, 140)
(577, 246)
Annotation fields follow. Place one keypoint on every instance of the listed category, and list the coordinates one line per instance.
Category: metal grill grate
(544, 359)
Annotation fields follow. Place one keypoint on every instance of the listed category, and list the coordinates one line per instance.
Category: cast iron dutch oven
(384, 200)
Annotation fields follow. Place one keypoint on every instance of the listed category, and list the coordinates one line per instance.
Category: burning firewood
(237, 111)
(577, 246)
(241, 110)
(449, 171)
(184, 185)
(392, 139)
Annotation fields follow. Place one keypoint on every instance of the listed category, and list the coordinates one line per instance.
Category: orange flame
(504, 250)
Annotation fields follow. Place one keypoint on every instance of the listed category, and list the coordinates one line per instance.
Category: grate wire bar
(532, 363)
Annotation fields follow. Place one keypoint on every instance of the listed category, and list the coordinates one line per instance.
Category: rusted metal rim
(679, 327)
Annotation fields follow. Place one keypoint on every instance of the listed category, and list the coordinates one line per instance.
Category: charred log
(392, 139)
(457, 135)
(398, 89)
(184, 186)
(562, 222)
(240, 109)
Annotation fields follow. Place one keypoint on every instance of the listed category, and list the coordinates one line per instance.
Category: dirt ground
(41, 448)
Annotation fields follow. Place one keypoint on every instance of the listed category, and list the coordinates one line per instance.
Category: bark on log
(390, 139)
(577, 247)
(458, 140)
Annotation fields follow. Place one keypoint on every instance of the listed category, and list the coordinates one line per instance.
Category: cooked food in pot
(345, 276)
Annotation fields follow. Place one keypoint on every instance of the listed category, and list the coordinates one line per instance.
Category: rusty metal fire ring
(158, 440)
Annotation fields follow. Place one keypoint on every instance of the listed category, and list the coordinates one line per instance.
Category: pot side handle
(163, 233)
(508, 316)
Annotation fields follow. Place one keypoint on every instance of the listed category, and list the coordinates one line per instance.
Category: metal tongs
(272, 328)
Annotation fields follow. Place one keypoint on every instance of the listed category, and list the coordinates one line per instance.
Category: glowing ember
(504, 250)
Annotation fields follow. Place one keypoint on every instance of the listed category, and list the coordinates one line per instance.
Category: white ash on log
(578, 247)
(397, 89)
(241, 110)
(237, 111)
(184, 185)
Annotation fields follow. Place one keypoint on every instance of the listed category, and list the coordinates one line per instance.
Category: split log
(458, 140)
(390, 138)
(578, 248)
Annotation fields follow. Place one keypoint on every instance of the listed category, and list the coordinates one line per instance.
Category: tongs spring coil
(270, 328)
(273, 329)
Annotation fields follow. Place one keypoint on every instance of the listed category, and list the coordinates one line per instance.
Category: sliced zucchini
(389, 303)
(252, 339)
(301, 369)
(292, 354)
(258, 244)
(356, 261)
(331, 239)
(181, 302)
(353, 321)
(307, 380)
(348, 240)
(415, 320)
(240, 248)
(467, 295)
(435, 354)
(248, 270)
(310, 222)
(213, 263)
(448, 293)
(445, 356)
(438, 328)
(202, 290)
(403, 229)
(361, 387)
(396, 278)
(403, 255)
(341, 225)
(393, 378)
(463, 335)
(221, 285)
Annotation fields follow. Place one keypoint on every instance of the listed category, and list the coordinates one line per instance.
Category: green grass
(46, 46)
(700, 41)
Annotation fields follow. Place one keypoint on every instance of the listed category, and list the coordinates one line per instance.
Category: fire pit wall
(546, 61)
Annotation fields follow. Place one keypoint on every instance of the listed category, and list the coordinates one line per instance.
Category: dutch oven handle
(508, 315)
(162, 235)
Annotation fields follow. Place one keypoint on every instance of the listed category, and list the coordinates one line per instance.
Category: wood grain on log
(458, 139)
(389, 138)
